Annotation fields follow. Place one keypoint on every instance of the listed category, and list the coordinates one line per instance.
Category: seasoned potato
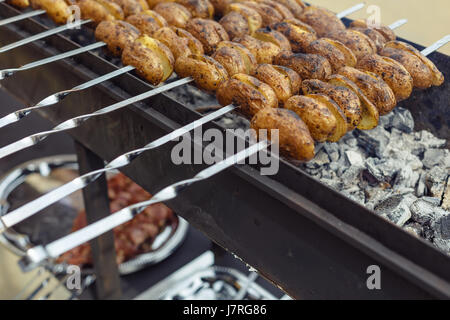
(321, 122)
(376, 90)
(370, 115)
(208, 32)
(284, 81)
(130, 7)
(207, 72)
(198, 8)
(247, 92)
(151, 58)
(235, 24)
(249, 58)
(346, 99)
(57, 10)
(268, 14)
(358, 42)
(175, 14)
(154, 3)
(321, 20)
(299, 34)
(179, 41)
(254, 20)
(282, 10)
(293, 138)
(308, 66)
(385, 31)
(391, 71)
(327, 50)
(117, 35)
(98, 10)
(262, 50)
(19, 3)
(231, 60)
(220, 6)
(377, 38)
(423, 71)
(147, 22)
(295, 6)
(341, 120)
(269, 35)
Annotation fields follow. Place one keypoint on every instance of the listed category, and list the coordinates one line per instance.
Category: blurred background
(428, 21)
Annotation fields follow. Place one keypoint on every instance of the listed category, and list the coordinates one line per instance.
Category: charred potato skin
(208, 32)
(375, 89)
(129, 7)
(175, 14)
(207, 72)
(320, 121)
(253, 18)
(347, 100)
(19, 3)
(358, 42)
(198, 8)
(392, 72)
(268, 14)
(295, 6)
(321, 20)
(145, 23)
(247, 92)
(94, 10)
(116, 34)
(308, 66)
(268, 34)
(221, 6)
(179, 41)
(294, 138)
(282, 9)
(265, 52)
(235, 24)
(147, 61)
(387, 33)
(249, 58)
(57, 10)
(328, 51)
(299, 34)
(378, 39)
(284, 81)
(231, 60)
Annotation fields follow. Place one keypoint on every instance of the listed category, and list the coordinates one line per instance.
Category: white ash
(400, 174)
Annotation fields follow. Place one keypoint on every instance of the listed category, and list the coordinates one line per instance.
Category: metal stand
(96, 203)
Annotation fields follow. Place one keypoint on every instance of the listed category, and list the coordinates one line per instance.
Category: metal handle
(21, 17)
(77, 121)
(33, 207)
(437, 45)
(57, 97)
(39, 254)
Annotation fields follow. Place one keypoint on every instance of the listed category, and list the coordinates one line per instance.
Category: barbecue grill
(306, 238)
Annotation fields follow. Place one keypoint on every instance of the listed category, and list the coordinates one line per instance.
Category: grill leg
(96, 202)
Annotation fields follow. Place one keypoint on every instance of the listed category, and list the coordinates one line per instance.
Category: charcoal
(375, 195)
(355, 195)
(354, 158)
(333, 183)
(406, 178)
(383, 170)
(332, 149)
(402, 120)
(433, 157)
(446, 197)
(421, 188)
(442, 233)
(435, 181)
(352, 142)
(414, 228)
(396, 208)
(351, 176)
(374, 141)
(387, 120)
(445, 226)
(424, 211)
(429, 140)
(319, 160)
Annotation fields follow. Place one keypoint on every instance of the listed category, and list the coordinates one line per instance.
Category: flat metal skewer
(351, 10)
(57, 97)
(436, 46)
(21, 17)
(42, 35)
(37, 255)
(398, 24)
(33, 207)
(9, 72)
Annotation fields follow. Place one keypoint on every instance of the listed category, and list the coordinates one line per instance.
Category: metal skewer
(9, 72)
(351, 10)
(21, 17)
(35, 256)
(436, 46)
(398, 24)
(57, 97)
(43, 35)
(33, 207)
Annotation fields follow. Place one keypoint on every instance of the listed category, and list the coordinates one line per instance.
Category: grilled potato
(281, 9)
(117, 35)
(175, 14)
(376, 90)
(308, 66)
(147, 22)
(179, 41)
(249, 58)
(151, 58)
(294, 138)
(154, 3)
(130, 7)
(100, 10)
(299, 34)
(247, 92)
(386, 32)
(321, 122)
(268, 14)
(254, 20)
(325, 48)
(235, 24)
(198, 8)
(284, 81)
(377, 38)
(346, 99)
(370, 115)
(358, 42)
(391, 71)
(19, 3)
(269, 35)
(231, 60)
(262, 50)
(57, 10)
(208, 32)
(321, 20)
(207, 72)
(221, 6)
(423, 71)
